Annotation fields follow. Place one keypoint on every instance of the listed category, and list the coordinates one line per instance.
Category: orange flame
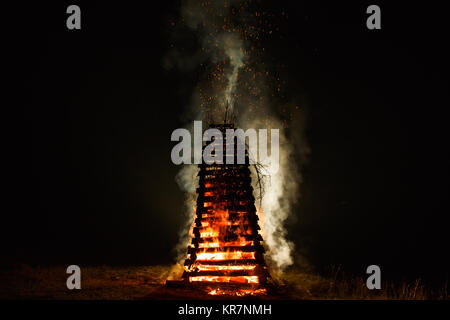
(239, 279)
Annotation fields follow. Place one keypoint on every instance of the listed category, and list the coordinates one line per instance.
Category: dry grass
(339, 285)
(97, 283)
(309, 286)
(124, 283)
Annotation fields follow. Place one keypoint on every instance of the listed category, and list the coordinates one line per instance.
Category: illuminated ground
(25, 282)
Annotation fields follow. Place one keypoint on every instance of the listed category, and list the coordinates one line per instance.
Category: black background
(92, 181)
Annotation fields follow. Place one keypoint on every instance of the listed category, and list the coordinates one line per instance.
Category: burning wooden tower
(225, 249)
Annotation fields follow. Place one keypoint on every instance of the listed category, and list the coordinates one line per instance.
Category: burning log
(226, 245)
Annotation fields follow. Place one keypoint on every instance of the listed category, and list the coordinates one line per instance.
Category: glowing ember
(226, 244)
(241, 279)
(239, 292)
(215, 256)
(226, 268)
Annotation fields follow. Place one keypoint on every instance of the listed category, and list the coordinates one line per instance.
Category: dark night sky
(95, 183)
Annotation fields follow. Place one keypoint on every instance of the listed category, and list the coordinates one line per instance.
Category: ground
(147, 282)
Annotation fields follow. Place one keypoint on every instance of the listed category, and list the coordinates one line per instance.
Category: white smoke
(233, 49)
(280, 191)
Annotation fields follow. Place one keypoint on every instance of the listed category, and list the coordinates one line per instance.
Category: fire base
(226, 248)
